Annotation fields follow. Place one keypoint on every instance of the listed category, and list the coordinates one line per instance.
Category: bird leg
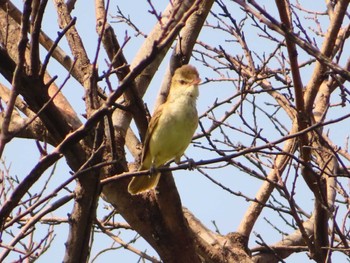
(153, 169)
(191, 164)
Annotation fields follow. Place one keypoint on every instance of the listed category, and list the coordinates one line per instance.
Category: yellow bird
(171, 128)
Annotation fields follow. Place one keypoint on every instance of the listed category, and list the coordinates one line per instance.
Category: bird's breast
(174, 131)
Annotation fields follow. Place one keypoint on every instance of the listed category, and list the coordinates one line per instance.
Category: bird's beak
(196, 81)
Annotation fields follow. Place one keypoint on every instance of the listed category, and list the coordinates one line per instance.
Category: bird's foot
(153, 170)
(191, 164)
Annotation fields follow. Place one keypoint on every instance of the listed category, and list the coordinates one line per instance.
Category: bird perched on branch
(171, 128)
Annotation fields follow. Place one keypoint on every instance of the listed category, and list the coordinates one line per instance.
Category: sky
(208, 203)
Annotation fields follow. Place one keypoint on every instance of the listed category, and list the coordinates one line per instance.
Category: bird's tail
(143, 183)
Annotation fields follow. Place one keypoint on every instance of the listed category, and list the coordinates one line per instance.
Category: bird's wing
(151, 127)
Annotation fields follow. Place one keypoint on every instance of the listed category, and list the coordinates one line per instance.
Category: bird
(170, 129)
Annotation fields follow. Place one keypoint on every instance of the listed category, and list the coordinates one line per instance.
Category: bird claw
(152, 170)
(191, 164)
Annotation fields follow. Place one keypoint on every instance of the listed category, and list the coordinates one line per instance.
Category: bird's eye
(182, 82)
